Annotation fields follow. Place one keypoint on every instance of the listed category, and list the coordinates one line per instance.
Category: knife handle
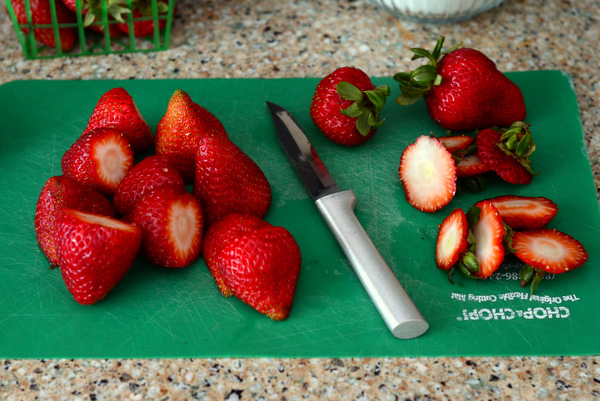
(391, 300)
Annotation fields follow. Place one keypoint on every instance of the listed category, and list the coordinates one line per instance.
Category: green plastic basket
(88, 41)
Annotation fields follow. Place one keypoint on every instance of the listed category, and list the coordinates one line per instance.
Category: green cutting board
(156, 312)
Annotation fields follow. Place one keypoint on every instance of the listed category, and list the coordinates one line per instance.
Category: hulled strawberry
(41, 14)
(60, 193)
(346, 106)
(172, 226)
(116, 109)
(180, 129)
(451, 239)
(228, 180)
(257, 262)
(99, 159)
(428, 174)
(94, 253)
(525, 212)
(151, 173)
(463, 89)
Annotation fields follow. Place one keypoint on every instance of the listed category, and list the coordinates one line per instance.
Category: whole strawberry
(151, 173)
(172, 226)
(93, 14)
(346, 106)
(144, 23)
(255, 261)
(41, 14)
(60, 193)
(99, 159)
(116, 109)
(94, 253)
(463, 89)
(180, 129)
(228, 180)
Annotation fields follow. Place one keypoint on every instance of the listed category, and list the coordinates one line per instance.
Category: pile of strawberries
(93, 18)
(104, 210)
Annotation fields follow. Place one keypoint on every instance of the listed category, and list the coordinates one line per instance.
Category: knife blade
(337, 208)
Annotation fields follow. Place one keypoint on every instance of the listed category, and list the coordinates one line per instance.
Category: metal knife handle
(393, 303)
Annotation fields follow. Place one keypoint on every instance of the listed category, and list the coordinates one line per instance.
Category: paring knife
(337, 208)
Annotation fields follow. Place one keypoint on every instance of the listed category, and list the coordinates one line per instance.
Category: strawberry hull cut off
(257, 262)
(489, 233)
(452, 239)
(94, 253)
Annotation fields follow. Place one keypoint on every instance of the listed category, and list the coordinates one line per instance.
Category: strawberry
(41, 14)
(488, 232)
(116, 109)
(346, 106)
(463, 89)
(172, 225)
(525, 212)
(143, 25)
(549, 250)
(94, 253)
(456, 142)
(255, 261)
(507, 152)
(99, 159)
(60, 193)
(451, 239)
(180, 129)
(228, 180)
(470, 165)
(93, 15)
(428, 174)
(151, 173)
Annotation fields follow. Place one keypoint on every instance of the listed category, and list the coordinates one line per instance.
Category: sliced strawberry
(172, 226)
(488, 232)
(525, 212)
(471, 165)
(451, 239)
(428, 174)
(99, 159)
(550, 250)
(456, 142)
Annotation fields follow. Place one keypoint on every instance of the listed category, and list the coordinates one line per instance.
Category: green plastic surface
(156, 312)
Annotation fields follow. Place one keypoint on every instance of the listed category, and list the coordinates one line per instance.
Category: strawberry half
(456, 142)
(525, 212)
(94, 253)
(255, 261)
(549, 250)
(151, 173)
(99, 159)
(428, 174)
(470, 165)
(172, 226)
(451, 239)
(488, 232)
(116, 109)
(60, 193)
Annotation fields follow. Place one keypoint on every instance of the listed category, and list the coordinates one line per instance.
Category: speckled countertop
(297, 38)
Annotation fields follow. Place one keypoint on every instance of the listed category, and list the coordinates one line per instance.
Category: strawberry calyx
(516, 142)
(418, 83)
(93, 10)
(366, 105)
(145, 7)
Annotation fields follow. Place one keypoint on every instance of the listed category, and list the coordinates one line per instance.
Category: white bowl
(437, 11)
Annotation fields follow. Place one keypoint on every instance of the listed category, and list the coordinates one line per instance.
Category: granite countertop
(298, 38)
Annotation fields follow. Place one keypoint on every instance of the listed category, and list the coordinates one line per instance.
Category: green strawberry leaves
(366, 105)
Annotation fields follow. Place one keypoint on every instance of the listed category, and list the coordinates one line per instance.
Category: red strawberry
(228, 180)
(549, 250)
(488, 232)
(451, 239)
(470, 165)
(116, 109)
(463, 90)
(525, 212)
(428, 174)
(94, 253)
(172, 226)
(93, 14)
(99, 159)
(151, 173)
(41, 14)
(143, 25)
(346, 106)
(456, 142)
(255, 261)
(60, 193)
(180, 129)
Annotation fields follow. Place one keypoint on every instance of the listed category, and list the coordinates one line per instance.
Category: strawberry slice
(451, 239)
(471, 165)
(456, 142)
(525, 212)
(488, 232)
(550, 250)
(99, 159)
(428, 174)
